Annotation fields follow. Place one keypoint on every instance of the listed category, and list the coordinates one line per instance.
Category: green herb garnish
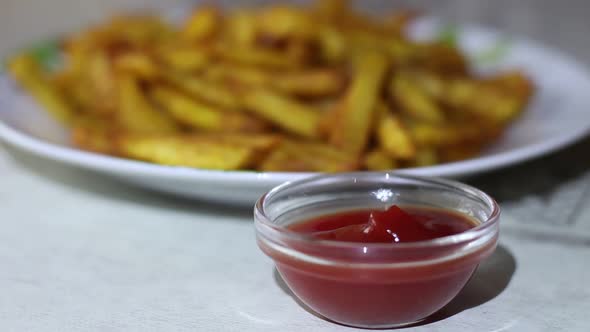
(449, 35)
(48, 54)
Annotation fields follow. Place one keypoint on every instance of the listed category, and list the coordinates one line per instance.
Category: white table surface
(79, 252)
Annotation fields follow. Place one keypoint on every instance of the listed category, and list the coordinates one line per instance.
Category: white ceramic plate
(558, 116)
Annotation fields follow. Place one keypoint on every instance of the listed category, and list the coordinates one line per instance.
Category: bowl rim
(265, 225)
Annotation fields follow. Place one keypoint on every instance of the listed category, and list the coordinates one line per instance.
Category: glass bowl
(374, 285)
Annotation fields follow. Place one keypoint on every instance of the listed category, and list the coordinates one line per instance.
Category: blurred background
(561, 24)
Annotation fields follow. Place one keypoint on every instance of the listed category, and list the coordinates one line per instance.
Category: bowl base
(378, 327)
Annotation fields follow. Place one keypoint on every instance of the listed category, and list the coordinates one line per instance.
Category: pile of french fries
(280, 88)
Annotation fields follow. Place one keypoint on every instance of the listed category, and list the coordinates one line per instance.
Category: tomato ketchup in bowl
(376, 250)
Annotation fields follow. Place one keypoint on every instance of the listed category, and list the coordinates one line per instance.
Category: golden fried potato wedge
(203, 24)
(294, 156)
(286, 113)
(137, 64)
(256, 56)
(281, 22)
(208, 91)
(425, 156)
(136, 113)
(102, 80)
(442, 59)
(198, 115)
(236, 74)
(93, 134)
(515, 83)
(378, 160)
(186, 151)
(487, 102)
(332, 9)
(393, 138)
(332, 44)
(263, 142)
(414, 101)
(29, 75)
(311, 83)
(303, 83)
(425, 134)
(356, 109)
(133, 30)
(240, 27)
(182, 58)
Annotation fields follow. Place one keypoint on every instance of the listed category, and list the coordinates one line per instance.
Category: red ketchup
(390, 226)
(392, 285)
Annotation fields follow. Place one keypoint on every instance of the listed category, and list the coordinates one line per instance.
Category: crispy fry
(281, 21)
(241, 28)
(379, 160)
(332, 44)
(513, 82)
(198, 115)
(102, 80)
(208, 91)
(262, 142)
(203, 24)
(317, 83)
(425, 134)
(425, 157)
(484, 101)
(93, 134)
(236, 74)
(183, 58)
(393, 137)
(137, 64)
(327, 120)
(186, 151)
(332, 9)
(296, 156)
(284, 112)
(352, 129)
(442, 59)
(136, 113)
(28, 74)
(247, 55)
(414, 101)
(305, 83)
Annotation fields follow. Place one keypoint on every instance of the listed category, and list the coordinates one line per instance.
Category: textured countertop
(80, 252)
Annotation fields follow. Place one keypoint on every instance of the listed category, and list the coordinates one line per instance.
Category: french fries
(198, 115)
(136, 113)
(294, 117)
(378, 160)
(24, 69)
(393, 138)
(300, 157)
(285, 88)
(208, 91)
(187, 151)
(355, 114)
(184, 59)
(202, 24)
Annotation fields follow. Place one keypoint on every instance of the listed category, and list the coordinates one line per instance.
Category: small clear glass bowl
(374, 285)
